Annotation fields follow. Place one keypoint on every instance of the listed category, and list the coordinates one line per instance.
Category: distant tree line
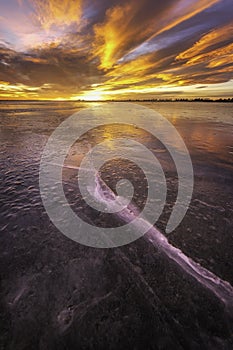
(225, 100)
(170, 100)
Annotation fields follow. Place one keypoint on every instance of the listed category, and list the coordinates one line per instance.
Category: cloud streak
(56, 12)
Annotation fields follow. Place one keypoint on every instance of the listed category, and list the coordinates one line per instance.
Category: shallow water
(68, 284)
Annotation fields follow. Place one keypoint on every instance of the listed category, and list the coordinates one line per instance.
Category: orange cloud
(21, 91)
(112, 34)
(128, 25)
(223, 54)
(206, 42)
(189, 11)
(97, 49)
(57, 12)
(223, 60)
(210, 52)
(35, 60)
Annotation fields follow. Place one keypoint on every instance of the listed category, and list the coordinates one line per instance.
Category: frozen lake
(124, 296)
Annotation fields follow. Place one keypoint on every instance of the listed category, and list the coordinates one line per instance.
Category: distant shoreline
(220, 100)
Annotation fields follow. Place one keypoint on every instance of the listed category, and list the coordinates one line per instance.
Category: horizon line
(197, 99)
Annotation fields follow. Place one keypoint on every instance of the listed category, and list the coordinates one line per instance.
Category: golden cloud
(128, 25)
(135, 47)
(207, 41)
(57, 12)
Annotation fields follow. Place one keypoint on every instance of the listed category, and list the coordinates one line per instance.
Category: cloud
(65, 70)
(128, 25)
(216, 41)
(21, 90)
(56, 12)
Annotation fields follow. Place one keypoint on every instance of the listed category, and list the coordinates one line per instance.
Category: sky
(116, 49)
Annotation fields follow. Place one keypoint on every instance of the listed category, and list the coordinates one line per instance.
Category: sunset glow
(96, 50)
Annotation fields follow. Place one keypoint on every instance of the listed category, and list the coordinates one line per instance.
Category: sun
(92, 96)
